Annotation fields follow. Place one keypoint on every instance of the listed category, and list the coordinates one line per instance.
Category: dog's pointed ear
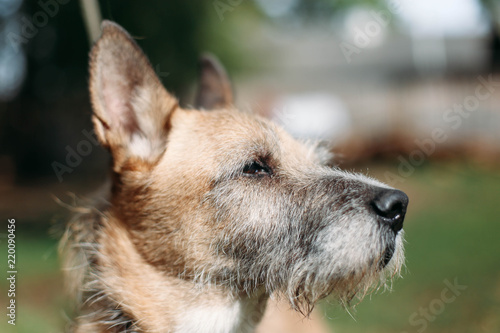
(131, 107)
(214, 86)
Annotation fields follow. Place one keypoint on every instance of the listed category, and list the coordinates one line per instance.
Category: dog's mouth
(387, 255)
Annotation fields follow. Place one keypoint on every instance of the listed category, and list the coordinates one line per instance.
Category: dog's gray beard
(304, 246)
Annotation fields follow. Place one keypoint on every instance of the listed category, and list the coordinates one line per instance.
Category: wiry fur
(187, 239)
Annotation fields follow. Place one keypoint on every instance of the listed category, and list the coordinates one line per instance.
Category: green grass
(39, 296)
(452, 231)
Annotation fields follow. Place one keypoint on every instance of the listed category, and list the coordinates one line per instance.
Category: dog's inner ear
(214, 87)
(131, 107)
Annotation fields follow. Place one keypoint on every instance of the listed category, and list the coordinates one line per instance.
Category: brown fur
(107, 239)
(210, 212)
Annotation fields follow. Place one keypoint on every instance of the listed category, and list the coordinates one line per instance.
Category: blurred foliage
(327, 7)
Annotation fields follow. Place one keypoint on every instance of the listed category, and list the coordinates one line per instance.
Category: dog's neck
(157, 302)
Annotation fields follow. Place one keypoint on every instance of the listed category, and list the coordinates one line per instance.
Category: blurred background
(406, 91)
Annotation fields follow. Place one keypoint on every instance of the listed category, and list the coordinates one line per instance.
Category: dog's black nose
(391, 205)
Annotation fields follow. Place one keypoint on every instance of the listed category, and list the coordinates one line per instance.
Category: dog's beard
(304, 280)
(346, 279)
(310, 283)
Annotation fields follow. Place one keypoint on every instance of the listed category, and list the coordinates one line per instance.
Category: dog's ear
(131, 107)
(214, 87)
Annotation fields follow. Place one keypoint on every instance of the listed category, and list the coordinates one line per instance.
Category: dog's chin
(349, 282)
(380, 272)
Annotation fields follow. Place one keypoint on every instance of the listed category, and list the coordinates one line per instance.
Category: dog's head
(220, 196)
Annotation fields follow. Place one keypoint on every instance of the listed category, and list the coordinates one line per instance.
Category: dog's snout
(391, 205)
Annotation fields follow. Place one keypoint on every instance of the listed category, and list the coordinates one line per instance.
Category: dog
(212, 211)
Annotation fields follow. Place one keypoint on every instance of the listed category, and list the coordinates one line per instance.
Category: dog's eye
(257, 169)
